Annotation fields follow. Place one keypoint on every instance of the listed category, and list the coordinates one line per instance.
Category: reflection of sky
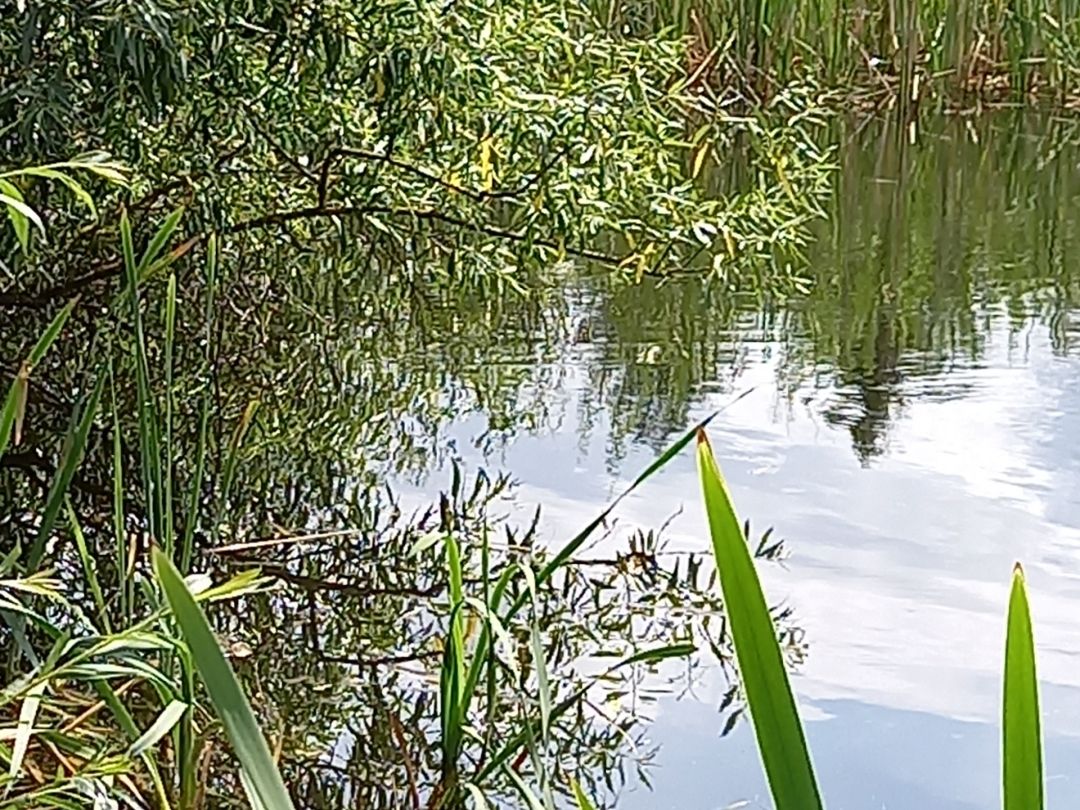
(899, 574)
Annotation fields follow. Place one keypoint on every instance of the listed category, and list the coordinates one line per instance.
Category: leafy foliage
(472, 138)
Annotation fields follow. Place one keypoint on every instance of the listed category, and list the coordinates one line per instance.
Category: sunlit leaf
(773, 710)
(1022, 767)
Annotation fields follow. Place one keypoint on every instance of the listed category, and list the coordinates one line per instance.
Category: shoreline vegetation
(958, 56)
(209, 206)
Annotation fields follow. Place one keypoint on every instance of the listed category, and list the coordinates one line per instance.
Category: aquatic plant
(773, 710)
(887, 53)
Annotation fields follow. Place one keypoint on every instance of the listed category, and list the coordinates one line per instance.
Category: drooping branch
(423, 215)
(112, 267)
(477, 195)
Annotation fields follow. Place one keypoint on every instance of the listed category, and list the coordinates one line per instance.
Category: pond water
(911, 427)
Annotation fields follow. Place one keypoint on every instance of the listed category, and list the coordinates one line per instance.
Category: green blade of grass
(775, 717)
(1021, 740)
(225, 693)
(168, 539)
(89, 568)
(74, 445)
(149, 423)
(583, 801)
(15, 401)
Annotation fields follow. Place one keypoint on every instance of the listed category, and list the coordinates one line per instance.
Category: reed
(773, 709)
(968, 49)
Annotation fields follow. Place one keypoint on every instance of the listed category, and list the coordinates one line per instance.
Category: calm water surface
(912, 428)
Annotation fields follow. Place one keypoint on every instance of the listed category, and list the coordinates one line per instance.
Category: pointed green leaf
(773, 710)
(19, 221)
(160, 240)
(225, 693)
(582, 800)
(1022, 770)
(48, 337)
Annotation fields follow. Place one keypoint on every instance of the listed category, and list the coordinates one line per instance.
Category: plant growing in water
(773, 711)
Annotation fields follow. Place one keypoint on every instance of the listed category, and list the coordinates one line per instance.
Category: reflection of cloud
(900, 572)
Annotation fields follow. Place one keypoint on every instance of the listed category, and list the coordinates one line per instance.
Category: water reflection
(909, 424)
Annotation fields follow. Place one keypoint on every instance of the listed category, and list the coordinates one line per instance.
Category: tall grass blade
(773, 711)
(89, 567)
(71, 457)
(187, 546)
(225, 693)
(149, 426)
(119, 531)
(1021, 740)
(11, 415)
(168, 538)
(543, 688)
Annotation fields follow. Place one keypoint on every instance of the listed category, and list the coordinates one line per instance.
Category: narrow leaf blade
(225, 693)
(773, 710)
(1022, 770)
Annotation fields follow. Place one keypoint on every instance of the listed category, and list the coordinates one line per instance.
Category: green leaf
(71, 457)
(1021, 747)
(582, 800)
(773, 710)
(48, 337)
(160, 240)
(651, 656)
(168, 718)
(14, 408)
(89, 567)
(543, 689)
(73, 185)
(19, 220)
(225, 693)
(24, 210)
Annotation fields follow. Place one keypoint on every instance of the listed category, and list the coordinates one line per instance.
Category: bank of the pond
(907, 54)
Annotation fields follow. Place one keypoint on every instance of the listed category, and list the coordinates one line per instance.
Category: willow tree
(461, 137)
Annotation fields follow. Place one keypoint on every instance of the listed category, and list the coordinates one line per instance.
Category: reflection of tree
(345, 653)
(924, 242)
(651, 352)
(927, 248)
(357, 374)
